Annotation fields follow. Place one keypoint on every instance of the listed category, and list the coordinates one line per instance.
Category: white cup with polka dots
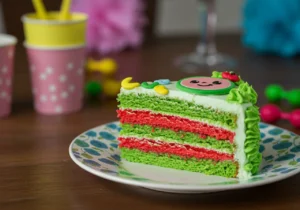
(7, 54)
(57, 78)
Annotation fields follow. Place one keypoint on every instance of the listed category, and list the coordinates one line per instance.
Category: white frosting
(210, 101)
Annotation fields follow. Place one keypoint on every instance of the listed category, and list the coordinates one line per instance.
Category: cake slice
(201, 124)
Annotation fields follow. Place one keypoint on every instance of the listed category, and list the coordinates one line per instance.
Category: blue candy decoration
(163, 81)
(272, 26)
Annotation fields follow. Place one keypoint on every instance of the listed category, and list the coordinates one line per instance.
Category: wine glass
(206, 55)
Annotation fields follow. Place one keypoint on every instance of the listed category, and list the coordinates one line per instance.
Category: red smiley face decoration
(205, 85)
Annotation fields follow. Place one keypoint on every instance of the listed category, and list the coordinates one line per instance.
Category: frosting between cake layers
(180, 137)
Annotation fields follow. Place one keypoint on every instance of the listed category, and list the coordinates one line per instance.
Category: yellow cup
(53, 32)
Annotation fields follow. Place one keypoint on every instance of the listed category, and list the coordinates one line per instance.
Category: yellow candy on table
(111, 87)
(161, 89)
(126, 84)
(105, 66)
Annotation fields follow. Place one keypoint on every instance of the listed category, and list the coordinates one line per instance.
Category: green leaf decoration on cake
(216, 74)
(252, 141)
(244, 93)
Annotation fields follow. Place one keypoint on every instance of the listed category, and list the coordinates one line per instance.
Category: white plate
(96, 151)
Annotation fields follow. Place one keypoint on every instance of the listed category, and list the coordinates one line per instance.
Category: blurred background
(167, 17)
(150, 39)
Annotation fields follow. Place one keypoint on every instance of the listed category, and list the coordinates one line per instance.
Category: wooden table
(36, 172)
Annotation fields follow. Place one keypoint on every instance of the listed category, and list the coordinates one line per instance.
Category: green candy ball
(293, 97)
(93, 88)
(274, 93)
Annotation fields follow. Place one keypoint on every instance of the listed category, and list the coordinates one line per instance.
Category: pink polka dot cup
(57, 77)
(7, 52)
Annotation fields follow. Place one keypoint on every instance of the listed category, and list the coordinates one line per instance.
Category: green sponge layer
(180, 137)
(208, 167)
(167, 105)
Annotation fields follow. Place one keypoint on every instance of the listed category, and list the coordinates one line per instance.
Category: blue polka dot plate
(96, 151)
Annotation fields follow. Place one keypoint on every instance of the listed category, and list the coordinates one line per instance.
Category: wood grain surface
(36, 172)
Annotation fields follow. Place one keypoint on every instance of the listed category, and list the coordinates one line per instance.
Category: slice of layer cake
(201, 124)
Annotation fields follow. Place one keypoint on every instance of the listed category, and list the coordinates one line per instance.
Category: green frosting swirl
(216, 74)
(244, 93)
(253, 155)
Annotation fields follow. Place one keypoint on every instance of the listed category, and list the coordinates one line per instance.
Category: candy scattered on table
(111, 87)
(275, 93)
(271, 113)
(105, 66)
(106, 84)
(93, 88)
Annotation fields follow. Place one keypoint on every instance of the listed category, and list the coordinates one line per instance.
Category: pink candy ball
(295, 118)
(270, 113)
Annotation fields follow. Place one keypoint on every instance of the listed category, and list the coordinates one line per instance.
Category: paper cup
(57, 77)
(7, 52)
(53, 32)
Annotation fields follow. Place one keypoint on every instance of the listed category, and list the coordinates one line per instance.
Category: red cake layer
(174, 123)
(184, 151)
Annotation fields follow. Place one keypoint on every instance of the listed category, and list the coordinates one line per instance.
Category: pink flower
(113, 25)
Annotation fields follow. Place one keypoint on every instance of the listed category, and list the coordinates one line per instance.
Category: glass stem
(208, 15)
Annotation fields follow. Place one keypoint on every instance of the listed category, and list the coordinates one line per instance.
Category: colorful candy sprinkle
(149, 86)
(127, 85)
(161, 89)
(163, 81)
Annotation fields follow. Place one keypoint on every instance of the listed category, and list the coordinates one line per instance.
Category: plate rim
(177, 187)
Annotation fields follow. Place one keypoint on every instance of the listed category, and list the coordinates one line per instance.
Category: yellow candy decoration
(161, 89)
(127, 85)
